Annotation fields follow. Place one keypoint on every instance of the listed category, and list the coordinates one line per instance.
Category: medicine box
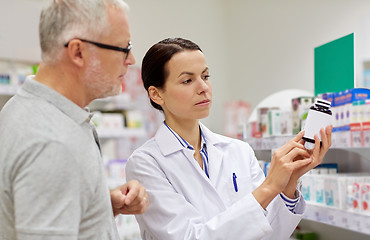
(339, 109)
(300, 107)
(262, 118)
(366, 134)
(355, 104)
(356, 135)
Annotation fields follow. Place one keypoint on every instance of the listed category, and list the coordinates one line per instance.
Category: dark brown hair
(153, 70)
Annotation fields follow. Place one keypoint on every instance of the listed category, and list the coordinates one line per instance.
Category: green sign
(335, 66)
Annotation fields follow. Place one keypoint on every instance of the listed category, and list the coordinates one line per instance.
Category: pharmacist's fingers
(316, 158)
(328, 131)
(291, 144)
(324, 140)
(316, 147)
(297, 152)
(289, 152)
(298, 137)
(302, 163)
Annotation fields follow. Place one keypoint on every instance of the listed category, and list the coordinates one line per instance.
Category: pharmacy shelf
(268, 143)
(119, 102)
(271, 143)
(349, 159)
(339, 218)
(121, 133)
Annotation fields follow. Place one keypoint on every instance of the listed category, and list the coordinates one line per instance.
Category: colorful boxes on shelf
(351, 118)
(349, 192)
(351, 111)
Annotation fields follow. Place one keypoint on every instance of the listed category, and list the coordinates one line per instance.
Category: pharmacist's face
(187, 93)
(106, 68)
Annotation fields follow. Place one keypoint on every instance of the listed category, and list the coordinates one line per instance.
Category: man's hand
(130, 198)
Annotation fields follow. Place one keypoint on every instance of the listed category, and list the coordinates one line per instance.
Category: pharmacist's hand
(286, 160)
(316, 155)
(130, 198)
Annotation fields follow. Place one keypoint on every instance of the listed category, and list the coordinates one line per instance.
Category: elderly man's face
(106, 68)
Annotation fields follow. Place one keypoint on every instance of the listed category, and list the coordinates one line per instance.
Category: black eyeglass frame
(106, 46)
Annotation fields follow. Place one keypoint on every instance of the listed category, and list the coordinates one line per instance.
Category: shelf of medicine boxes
(8, 90)
(354, 221)
(274, 142)
(121, 133)
(121, 101)
(16, 71)
(339, 218)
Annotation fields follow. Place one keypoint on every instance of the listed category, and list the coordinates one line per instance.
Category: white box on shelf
(308, 190)
(112, 121)
(331, 189)
(365, 195)
(319, 191)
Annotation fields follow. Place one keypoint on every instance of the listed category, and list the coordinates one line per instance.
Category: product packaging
(262, 118)
(300, 107)
(319, 116)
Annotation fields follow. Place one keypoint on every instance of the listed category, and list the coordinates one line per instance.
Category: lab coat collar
(168, 143)
(213, 138)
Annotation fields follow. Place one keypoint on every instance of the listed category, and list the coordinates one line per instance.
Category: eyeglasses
(105, 46)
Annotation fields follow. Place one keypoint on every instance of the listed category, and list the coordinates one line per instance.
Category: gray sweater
(52, 180)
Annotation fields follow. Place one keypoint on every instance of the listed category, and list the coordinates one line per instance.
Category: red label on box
(366, 126)
(355, 127)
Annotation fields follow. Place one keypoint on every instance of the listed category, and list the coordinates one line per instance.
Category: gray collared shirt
(52, 180)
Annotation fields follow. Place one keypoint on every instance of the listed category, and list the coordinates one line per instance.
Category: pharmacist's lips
(204, 101)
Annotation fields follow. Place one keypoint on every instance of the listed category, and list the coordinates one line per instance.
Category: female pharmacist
(203, 185)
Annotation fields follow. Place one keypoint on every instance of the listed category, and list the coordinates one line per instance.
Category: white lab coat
(186, 204)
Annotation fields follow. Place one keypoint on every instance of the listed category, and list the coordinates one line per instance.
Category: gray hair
(64, 20)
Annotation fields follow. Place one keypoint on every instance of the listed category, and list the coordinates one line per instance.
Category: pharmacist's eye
(186, 81)
(205, 77)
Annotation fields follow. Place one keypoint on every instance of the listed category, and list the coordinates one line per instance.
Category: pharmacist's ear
(76, 52)
(155, 95)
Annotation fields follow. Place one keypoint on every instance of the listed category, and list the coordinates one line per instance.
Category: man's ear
(75, 51)
(155, 95)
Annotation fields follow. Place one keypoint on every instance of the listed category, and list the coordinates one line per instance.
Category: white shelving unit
(8, 90)
(122, 101)
(120, 133)
(339, 218)
(16, 70)
(349, 160)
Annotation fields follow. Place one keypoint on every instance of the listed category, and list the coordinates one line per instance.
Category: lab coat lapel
(215, 157)
(168, 144)
(190, 157)
(215, 154)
